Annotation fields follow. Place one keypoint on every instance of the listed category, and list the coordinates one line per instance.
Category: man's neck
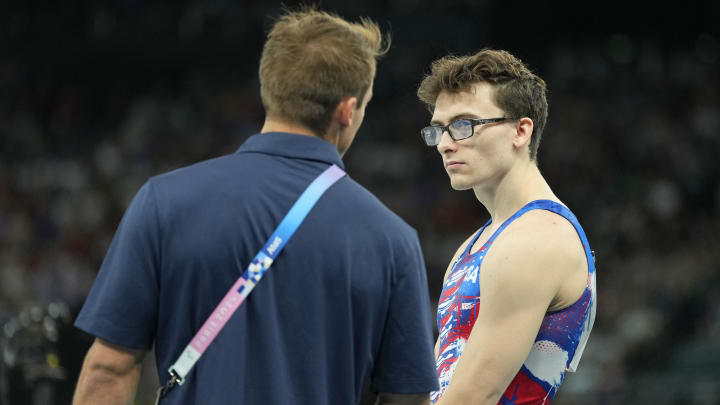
(522, 184)
(274, 125)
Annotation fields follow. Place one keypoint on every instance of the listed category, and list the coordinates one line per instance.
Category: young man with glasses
(518, 299)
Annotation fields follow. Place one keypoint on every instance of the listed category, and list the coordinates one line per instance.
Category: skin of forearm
(468, 398)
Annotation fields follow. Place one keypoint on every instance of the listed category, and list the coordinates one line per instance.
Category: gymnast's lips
(453, 164)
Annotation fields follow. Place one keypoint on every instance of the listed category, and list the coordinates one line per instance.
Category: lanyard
(245, 284)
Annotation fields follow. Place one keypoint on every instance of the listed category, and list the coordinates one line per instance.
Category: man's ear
(345, 111)
(523, 132)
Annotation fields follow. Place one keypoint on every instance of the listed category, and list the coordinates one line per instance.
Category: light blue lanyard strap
(290, 223)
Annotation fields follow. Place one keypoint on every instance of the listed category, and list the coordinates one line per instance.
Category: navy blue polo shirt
(345, 303)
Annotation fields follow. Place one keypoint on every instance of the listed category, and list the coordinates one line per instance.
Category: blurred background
(97, 96)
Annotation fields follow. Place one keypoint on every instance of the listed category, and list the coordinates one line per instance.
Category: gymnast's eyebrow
(454, 118)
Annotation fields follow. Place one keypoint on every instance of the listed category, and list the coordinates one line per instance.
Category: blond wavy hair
(312, 59)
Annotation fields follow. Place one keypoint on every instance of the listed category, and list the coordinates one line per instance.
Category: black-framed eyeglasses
(458, 129)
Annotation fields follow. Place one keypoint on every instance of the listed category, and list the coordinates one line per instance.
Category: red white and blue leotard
(559, 343)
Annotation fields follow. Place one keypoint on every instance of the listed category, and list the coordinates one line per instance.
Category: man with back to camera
(518, 299)
(346, 301)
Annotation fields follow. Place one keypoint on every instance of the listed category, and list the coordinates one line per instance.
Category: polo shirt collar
(293, 146)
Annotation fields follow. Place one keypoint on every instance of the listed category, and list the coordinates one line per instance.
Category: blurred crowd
(89, 111)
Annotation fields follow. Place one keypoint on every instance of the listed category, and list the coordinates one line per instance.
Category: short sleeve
(405, 364)
(122, 305)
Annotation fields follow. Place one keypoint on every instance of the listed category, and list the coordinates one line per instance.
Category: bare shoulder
(539, 250)
(542, 225)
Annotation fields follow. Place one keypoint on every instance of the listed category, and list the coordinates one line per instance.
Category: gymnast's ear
(523, 132)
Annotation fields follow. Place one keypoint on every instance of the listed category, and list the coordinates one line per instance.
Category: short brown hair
(311, 60)
(518, 91)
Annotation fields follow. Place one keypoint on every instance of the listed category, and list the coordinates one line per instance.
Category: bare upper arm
(532, 261)
(109, 375)
(386, 398)
(112, 358)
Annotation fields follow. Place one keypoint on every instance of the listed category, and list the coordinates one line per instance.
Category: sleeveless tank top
(559, 343)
